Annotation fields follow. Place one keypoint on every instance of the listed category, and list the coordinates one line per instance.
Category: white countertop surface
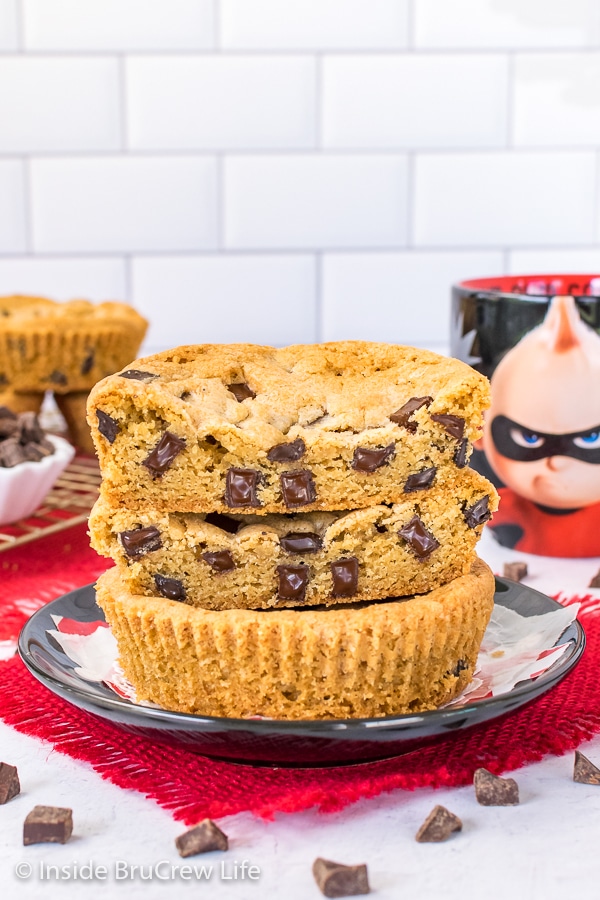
(544, 849)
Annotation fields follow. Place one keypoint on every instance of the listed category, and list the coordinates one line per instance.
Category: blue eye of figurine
(588, 441)
(526, 438)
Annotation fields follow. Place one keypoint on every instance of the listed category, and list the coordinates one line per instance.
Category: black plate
(269, 741)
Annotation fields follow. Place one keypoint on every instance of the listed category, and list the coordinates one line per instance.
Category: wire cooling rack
(68, 503)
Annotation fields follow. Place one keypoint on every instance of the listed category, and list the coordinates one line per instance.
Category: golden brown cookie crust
(365, 660)
(257, 430)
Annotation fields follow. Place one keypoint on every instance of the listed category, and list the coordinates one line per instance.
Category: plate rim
(354, 729)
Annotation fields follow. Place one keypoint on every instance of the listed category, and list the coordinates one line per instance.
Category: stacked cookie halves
(265, 508)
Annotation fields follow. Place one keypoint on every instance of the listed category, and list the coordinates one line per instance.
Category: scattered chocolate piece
(584, 771)
(461, 454)
(107, 426)
(287, 452)
(87, 363)
(298, 488)
(420, 481)
(479, 513)
(219, 560)
(438, 826)
(136, 375)
(301, 542)
(515, 570)
(293, 581)
(241, 487)
(140, 541)
(337, 880)
(159, 460)
(403, 415)
(171, 588)
(48, 825)
(454, 425)
(57, 377)
(241, 391)
(419, 539)
(595, 582)
(344, 573)
(8, 426)
(223, 521)
(491, 790)
(22, 439)
(201, 839)
(6, 413)
(9, 783)
(368, 460)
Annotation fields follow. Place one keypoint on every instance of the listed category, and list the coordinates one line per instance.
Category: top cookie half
(332, 426)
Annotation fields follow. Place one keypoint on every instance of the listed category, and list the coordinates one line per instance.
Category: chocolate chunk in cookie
(301, 542)
(369, 460)
(419, 539)
(137, 375)
(160, 459)
(403, 415)
(420, 481)
(220, 561)
(461, 454)
(298, 488)
(241, 487)
(293, 581)
(241, 391)
(139, 541)
(88, 362)
(344, 574)
(171, 588)
(479, 513)
(107, 426)
(454, 425)
(287, 452)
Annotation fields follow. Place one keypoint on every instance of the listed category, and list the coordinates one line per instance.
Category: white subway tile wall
(267, 171)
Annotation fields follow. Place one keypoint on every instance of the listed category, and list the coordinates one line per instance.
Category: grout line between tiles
(27, 207)
(319, 299)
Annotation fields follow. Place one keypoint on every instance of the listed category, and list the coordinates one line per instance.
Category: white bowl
(24, 487)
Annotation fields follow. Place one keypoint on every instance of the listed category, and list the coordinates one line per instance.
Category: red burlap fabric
(193, 787)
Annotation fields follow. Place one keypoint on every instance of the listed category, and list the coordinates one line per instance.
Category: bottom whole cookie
(357, 661)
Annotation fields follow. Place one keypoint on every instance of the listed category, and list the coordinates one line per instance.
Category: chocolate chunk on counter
(337, 880)
(584, 771)
(298, 488)
(595, 581)
(515, 570)
(9, 783)
(241, 487)
(479, 513)
(140, 541)
(223, 521)
(107, 426)
(461, 454)
(301, 542)
(287, 452)
(344, 573)
(241, 391)
(220, 561)
(137, 375)
(438, 826)
(403, 415)
(420, 481)
(419, 539)
(171, 588)
(161, 458)
(454, 425)
(48, 825)
(369, 460)
(201, 839)
(491, 790)
(293, 581)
